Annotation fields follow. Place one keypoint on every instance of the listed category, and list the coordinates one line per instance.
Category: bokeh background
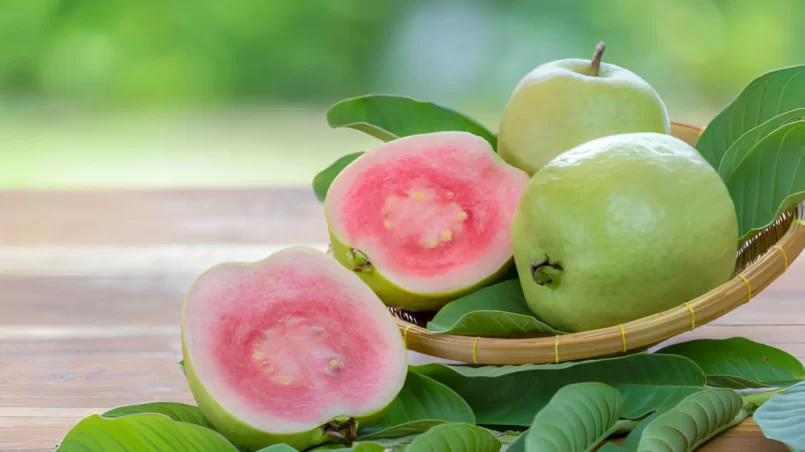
(189, 93)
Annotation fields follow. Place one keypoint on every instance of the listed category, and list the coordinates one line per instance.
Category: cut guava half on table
(425, 218)
(292, 349)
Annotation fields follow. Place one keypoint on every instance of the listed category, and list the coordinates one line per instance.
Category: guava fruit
(620, 228)
(292, 349)
(567, 102)
(425, 218)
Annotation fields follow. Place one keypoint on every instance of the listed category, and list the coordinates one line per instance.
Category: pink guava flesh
(429, 206)
(295, 340)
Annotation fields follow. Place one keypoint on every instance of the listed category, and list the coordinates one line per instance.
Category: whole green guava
(564, 103)
(620, 228)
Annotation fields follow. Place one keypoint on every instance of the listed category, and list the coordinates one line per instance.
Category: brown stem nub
(599, 52)
(544, 273)
(344, 432)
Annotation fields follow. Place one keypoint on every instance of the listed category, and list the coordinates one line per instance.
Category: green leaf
(177, 411)
(633, 438)
(644, 399)
(782, 417)
(181, 366)
(740, 363)
(518, 445)
(747, 141)
(388, 117)
(770, 179)
(323, 180)
(358, 447)
(578, 418)
(142, 433)
(499, 310)
(398, 431)
(278, 448)
(421, 404)
(512, 395)
(763, 98)
(693, 422)
(456, 437)
(507, 438)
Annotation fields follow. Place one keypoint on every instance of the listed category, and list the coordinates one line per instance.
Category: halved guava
(292, 349)
(425, 218)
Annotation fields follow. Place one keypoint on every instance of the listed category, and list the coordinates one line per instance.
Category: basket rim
(628, 337)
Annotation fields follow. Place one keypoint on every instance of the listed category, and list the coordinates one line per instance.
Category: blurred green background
(184, 93)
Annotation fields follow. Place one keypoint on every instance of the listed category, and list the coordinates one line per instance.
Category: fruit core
(444, 219)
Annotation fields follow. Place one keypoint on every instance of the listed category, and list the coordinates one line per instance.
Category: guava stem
(599, 52)
(358, 261)
(544, 273)
(347, 431)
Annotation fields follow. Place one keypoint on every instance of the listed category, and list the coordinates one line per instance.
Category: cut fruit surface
(431, 213)
(288, 344)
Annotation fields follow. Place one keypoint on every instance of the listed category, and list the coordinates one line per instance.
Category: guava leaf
(512, 395)
(142, 433)
(642, 399)
(518, 445)
(421, 404)
(693, 422)
(770, 179)
(763, 98)
(388, 117)
(508, 439)
(499, 310)
(456, 437)
(325, 178)
(398, 431)
(747, 141)
(361, 447)
(278, 448)
(577, 419)
(782, 417)
(740, 363)
(633, 438)
(398, 444)
(180, 412)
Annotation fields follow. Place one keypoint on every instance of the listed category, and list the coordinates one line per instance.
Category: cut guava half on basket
(292, 349)
(425, 218)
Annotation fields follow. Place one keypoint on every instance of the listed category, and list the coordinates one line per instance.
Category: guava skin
(396, 296)
(620, 228)
(562, 104)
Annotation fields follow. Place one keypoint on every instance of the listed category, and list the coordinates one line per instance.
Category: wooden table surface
(91, 288)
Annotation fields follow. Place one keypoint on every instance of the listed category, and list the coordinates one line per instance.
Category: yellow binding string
(692, 316)
(405, 335)
(748, 288)
(623, 337)
(785, 257)
(475, 350)
(556, 350)
(798, 221)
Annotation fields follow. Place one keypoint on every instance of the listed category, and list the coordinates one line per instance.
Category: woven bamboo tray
(760, 261)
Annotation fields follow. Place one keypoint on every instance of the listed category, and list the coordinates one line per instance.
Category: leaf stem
(753, 400)
(625, 426)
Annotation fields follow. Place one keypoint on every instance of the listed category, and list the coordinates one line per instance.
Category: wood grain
(147, 217)
(92, 283)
